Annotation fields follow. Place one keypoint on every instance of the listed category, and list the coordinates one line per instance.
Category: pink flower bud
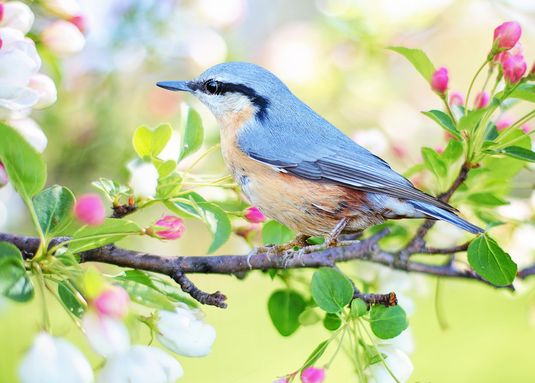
(482, 100)
(399, 150)
(439, 149)
(254, 215)
(1, 11)
(112, 302)
(503, 123)
(313, 375)
(90, 210)
(439, 80)
(79, 21)
(175, 227)
(63, 38)
(3, 175)
(514, 68)
(514, 51)
(456, 98)
(1, 41)
(525, 128)
(506, 35)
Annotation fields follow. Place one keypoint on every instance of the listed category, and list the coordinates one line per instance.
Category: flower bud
(52, 359)
(313, 375)
(144, 180)
(506, 36)
(45, 88)
(482, 100)
(439, 80)
(254, 215)
(502, 124)
(514, 68)
(108, 336)
(456, 98)
(16, 15)
(90, 210)
(79, 21)
(29, 129)
(112, 302)
(184, 332)
(175, 227)
(63, 8)
(3, 175)
(63, 38)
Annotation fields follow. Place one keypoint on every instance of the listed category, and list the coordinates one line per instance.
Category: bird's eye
(212, 87)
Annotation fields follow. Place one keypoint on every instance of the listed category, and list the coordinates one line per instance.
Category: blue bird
(295, 166)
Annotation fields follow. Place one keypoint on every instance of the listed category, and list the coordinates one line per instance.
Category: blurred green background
(331, 54)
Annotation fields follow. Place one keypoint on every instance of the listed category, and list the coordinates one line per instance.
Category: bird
(298, 168)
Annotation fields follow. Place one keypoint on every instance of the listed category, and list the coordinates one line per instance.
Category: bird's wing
(332, 157)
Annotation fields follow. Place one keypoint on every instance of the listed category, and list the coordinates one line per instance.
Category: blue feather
(438, 213)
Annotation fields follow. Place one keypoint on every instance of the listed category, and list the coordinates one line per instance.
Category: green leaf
(316, 354)
(332, 321)
(111, 188)
(444, 121)
(69, 300)
(471, 120)
(284, 307)
(193, 134)
(519, 153)
(486, 199)
(331, 290)
(168, 186)
(274, 233)
(149, 143)
(309, 317)
(15, 283)
(53, 207)
(388, 322)
(524, 92)
(434, 163)
(358, 308)
(453, 151)
(418, 59)
(489, 260)
(146, 295)
(24, 165)
(112, 230)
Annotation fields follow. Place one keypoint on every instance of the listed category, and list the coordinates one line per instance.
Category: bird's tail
(444, 215)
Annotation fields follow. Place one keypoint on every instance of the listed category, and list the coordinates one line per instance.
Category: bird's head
(233, 87)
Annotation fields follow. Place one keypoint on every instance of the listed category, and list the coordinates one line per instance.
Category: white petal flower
(184, 332)
(144, 180)
(64, 8)
(45, 89)
(29, 129)
(398, 362)
(141, 364)
(18, 16)
(63, 38)
(171, 151)
(107, 336)
(54, 360)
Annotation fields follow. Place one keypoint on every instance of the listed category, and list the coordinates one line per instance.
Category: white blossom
(144, 180)
(184, 332)
(17, 16)
(141, 364)
(54, 360)
(63, 38)
(29, 129)
(398, 363)
(45, 89)
(107, 336)
(63, 8)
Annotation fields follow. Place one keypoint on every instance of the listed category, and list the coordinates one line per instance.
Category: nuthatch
(295, 166)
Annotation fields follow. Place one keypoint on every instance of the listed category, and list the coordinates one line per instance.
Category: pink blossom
(112, 302)
(514, 68)
(90, 210)
(456, 98)
(439, 80)
(313, 375)
(254, 215)
(3, 175)
(503, 123)
(506, 35)
(482, 100)
(175, 227)
(79, 21)
(514, 51)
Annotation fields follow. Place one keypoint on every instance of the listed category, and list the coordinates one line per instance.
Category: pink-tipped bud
(502, 124)
(439, 149)
(90, 210)
(175, 227)
(1, 11)
(112, 302)
(482, 100)
(313, 375)
(514, 68)
(506, 36)
(439, 80)
(3, 175)
(1, 43)
(254, 215)
(79, 22)
(525, 128)
(457, 99)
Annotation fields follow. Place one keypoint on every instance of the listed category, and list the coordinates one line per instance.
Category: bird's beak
(175, 86)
